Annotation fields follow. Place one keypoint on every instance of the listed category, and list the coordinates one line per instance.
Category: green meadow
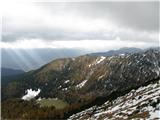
(57, 103)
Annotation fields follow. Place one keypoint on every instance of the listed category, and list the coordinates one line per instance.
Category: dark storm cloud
(56, 35)
(139, 15)
(135, 15)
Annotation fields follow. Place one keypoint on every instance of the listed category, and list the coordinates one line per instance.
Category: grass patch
(57, 103)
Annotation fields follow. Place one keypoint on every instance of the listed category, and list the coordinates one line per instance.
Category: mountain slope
(89, 76)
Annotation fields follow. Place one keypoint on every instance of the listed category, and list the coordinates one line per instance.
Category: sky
(30, 27)
(95, 26)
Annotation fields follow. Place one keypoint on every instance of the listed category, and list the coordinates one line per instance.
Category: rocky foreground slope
(142, 103)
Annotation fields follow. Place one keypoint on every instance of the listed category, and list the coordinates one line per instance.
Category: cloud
(94, 45)
(75, 21)
(136, 15)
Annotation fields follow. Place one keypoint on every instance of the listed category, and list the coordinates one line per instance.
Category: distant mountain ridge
(10, 71)
(121, 51)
